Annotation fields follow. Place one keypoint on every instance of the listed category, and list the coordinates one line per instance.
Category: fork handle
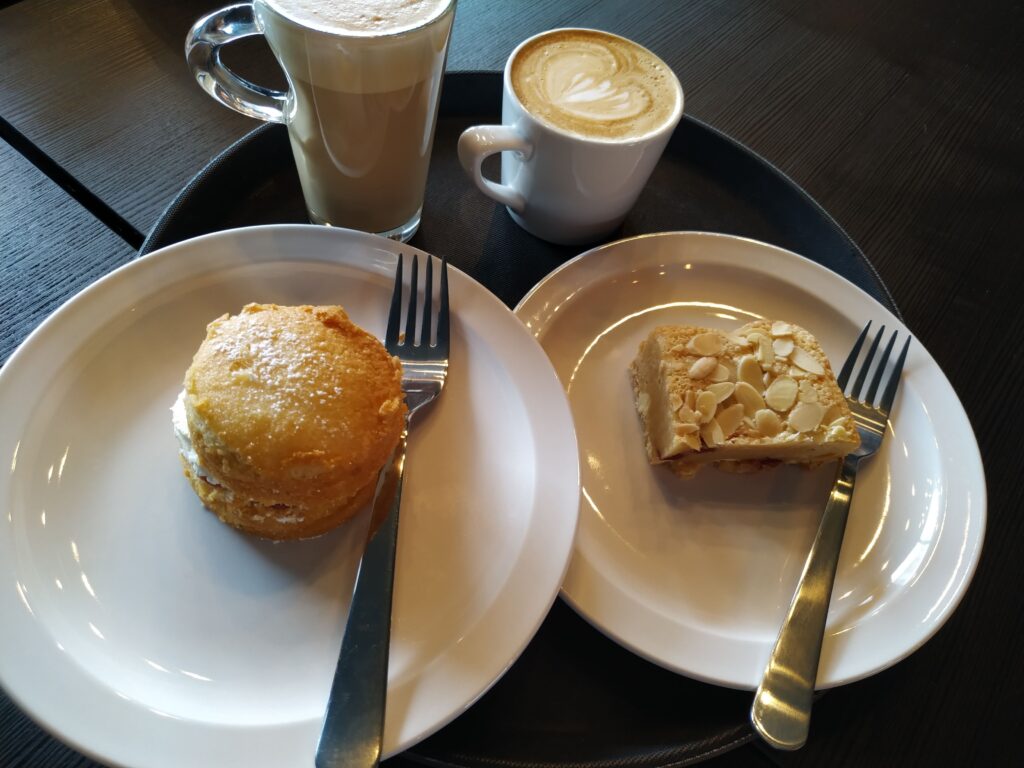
(353, 730)
(781, 712)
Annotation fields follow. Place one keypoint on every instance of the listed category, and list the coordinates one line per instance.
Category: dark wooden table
(901, 117)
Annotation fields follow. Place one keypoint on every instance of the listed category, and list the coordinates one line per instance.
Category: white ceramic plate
(696, 575)
(144, 632)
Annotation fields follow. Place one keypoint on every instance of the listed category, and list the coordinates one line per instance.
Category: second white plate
(696, 575)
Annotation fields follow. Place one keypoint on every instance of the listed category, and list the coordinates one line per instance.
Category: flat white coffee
(595, 85)
(373, 17)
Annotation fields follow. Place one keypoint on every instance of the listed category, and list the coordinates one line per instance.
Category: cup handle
(482, 141)
(202, 50)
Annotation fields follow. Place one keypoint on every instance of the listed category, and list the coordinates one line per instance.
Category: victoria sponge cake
(761, 395)
(286, 417)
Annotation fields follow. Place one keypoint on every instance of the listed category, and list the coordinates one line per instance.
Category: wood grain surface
(903, 119)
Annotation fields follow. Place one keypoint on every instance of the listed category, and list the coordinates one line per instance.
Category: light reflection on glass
(74, 551)
(196, 676)
(24, 598)
(96, 631)
(156, 666)
(59, 584)
(14, 457)
(687, 266)
(63, 460)
(42, 517)
(88, 586)
(59, 646)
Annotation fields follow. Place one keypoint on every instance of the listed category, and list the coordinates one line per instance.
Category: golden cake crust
(293, 408)
(761, 395)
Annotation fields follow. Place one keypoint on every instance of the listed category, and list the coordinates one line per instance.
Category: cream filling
(188, 452)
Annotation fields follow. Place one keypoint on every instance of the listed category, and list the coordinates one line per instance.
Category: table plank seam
(66, 181)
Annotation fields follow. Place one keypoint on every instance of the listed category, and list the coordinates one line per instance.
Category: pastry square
(761, 395)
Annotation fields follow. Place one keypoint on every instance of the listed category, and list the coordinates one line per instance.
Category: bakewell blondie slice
(761, 395)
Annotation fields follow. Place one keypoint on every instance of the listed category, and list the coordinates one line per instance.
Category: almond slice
(806, 417)
(706, 405)
(721, 373)
(781, 394)
(707, 344)
(767, 422)
(712, 433)
(783, 347)
(729, 419)
(808, 394)
(780, 328)
(805, 360)
(722, 390)
(749, 397)
(703, 368)
(749, 371)
(686, 415)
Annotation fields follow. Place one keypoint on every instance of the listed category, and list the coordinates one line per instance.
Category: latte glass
(581, 132)
(360, 107)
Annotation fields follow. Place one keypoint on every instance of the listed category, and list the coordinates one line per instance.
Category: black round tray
(574, 698)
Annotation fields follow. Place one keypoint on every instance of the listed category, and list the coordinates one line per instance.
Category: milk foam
(374, 17)
(594, 84)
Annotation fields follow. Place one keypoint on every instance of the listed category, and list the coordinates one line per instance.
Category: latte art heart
(594, 84)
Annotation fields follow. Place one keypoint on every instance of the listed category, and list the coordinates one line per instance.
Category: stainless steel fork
(781, 712)
(353, 729)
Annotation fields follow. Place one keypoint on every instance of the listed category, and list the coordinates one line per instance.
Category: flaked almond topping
(783, 347)
(805, 360)
(707, 343)
(678, 349)
(808, 394)
(767, 379)
(748, 397)
(748, 370)
(686, 415)
(706, 405)
(738, 340)
(675, 401)
(729, 419)
(806, 416)
(797, 373)
(712, 433)
(768, 422)
(722, 390)
(721, 373)
(703, 368)
(691, 400)
(833, 413)
(781, 394)
(685, 429)
(643, 402)
(692, 441)
(763, 348)
(679, 444)
(780, 328)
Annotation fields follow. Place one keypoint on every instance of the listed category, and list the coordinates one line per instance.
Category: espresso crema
(366, 17)
(595, 85)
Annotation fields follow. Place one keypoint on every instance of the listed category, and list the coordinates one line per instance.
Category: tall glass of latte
(364, 81)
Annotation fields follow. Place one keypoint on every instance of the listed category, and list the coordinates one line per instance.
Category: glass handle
(202, 50)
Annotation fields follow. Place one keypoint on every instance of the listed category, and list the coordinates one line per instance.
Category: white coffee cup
(571, 175)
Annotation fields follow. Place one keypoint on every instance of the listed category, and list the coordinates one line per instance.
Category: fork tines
(889, 393)
(426, 338)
